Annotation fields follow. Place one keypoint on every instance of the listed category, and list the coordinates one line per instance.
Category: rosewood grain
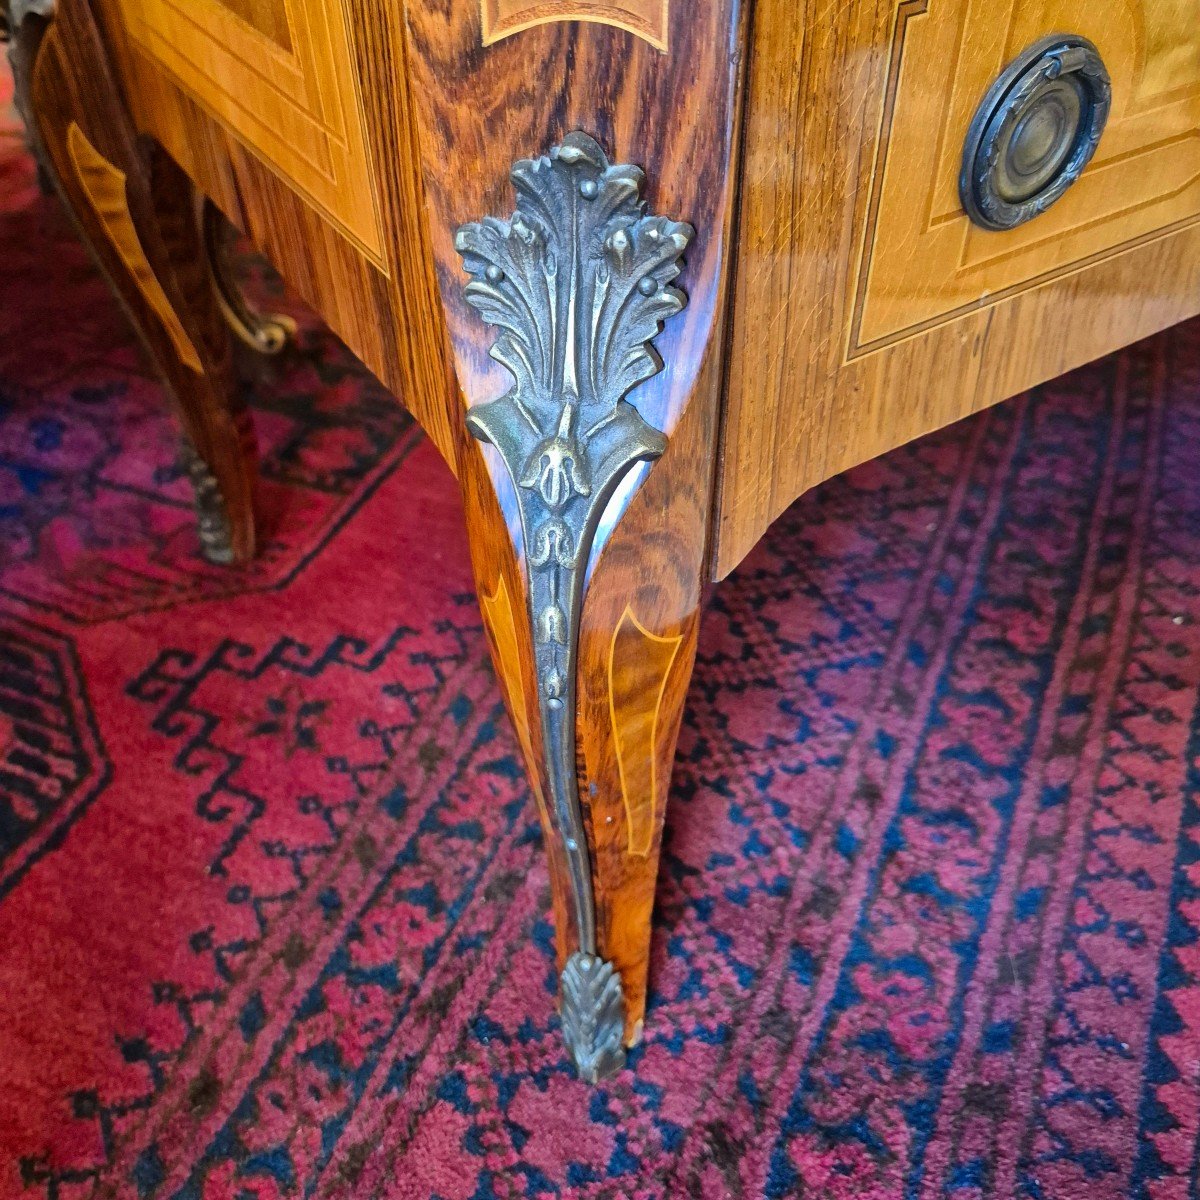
(477, 113)
(384, 306)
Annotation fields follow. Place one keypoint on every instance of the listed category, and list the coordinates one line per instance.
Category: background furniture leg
(136, 212)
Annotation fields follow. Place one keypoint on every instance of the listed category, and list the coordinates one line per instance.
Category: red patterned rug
(273, 908)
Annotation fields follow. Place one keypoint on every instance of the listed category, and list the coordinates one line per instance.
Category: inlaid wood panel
(280, 75)
(923, 260)
(867, 310)
(269, 17)
(382, 305)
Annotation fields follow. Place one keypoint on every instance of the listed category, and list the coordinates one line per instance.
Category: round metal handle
(1035, 131)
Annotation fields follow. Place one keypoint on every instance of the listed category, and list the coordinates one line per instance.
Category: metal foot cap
(593, 1016)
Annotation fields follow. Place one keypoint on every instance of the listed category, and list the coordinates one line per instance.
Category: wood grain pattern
(136, 211)
(501, 621)
(923, 261)
(477, 112)
(295, 104)
(393, 320)
(647, 19)
(652, 564)
(847, 309)
(104, 186)
(269, 17)
(809, 394)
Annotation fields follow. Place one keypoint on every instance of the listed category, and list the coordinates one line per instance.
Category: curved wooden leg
(634, 655)
(136, 211)
(594, 649)
(592, 388)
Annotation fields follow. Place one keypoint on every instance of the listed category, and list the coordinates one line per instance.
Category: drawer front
(280, 76)
(869, 308)
(922, 259)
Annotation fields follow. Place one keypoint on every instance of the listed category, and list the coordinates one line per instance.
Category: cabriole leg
(592, 390)
(136, 212)
(595, 666)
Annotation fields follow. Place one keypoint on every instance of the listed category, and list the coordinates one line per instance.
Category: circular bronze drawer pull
(1035, 131)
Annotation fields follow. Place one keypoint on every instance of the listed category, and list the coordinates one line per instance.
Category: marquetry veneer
(825, 249)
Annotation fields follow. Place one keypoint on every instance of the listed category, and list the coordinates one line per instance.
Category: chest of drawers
(645, 271)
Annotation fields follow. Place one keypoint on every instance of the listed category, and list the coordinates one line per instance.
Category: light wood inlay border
(294, 103)
(919, 250)
(265, 16)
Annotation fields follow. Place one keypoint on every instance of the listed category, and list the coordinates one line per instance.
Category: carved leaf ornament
(577, 282)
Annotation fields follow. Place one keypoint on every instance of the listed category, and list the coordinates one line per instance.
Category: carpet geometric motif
(51, 761)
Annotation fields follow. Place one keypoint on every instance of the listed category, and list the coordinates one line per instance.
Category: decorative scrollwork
(267, 333)
(578, 282)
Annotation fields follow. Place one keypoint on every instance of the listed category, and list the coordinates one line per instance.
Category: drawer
(922, 259)
(869, 307)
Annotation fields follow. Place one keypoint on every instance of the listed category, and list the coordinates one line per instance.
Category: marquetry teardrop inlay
(639, 663)
(104, 186)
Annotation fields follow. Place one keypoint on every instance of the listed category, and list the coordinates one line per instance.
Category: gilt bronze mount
(578, 282)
